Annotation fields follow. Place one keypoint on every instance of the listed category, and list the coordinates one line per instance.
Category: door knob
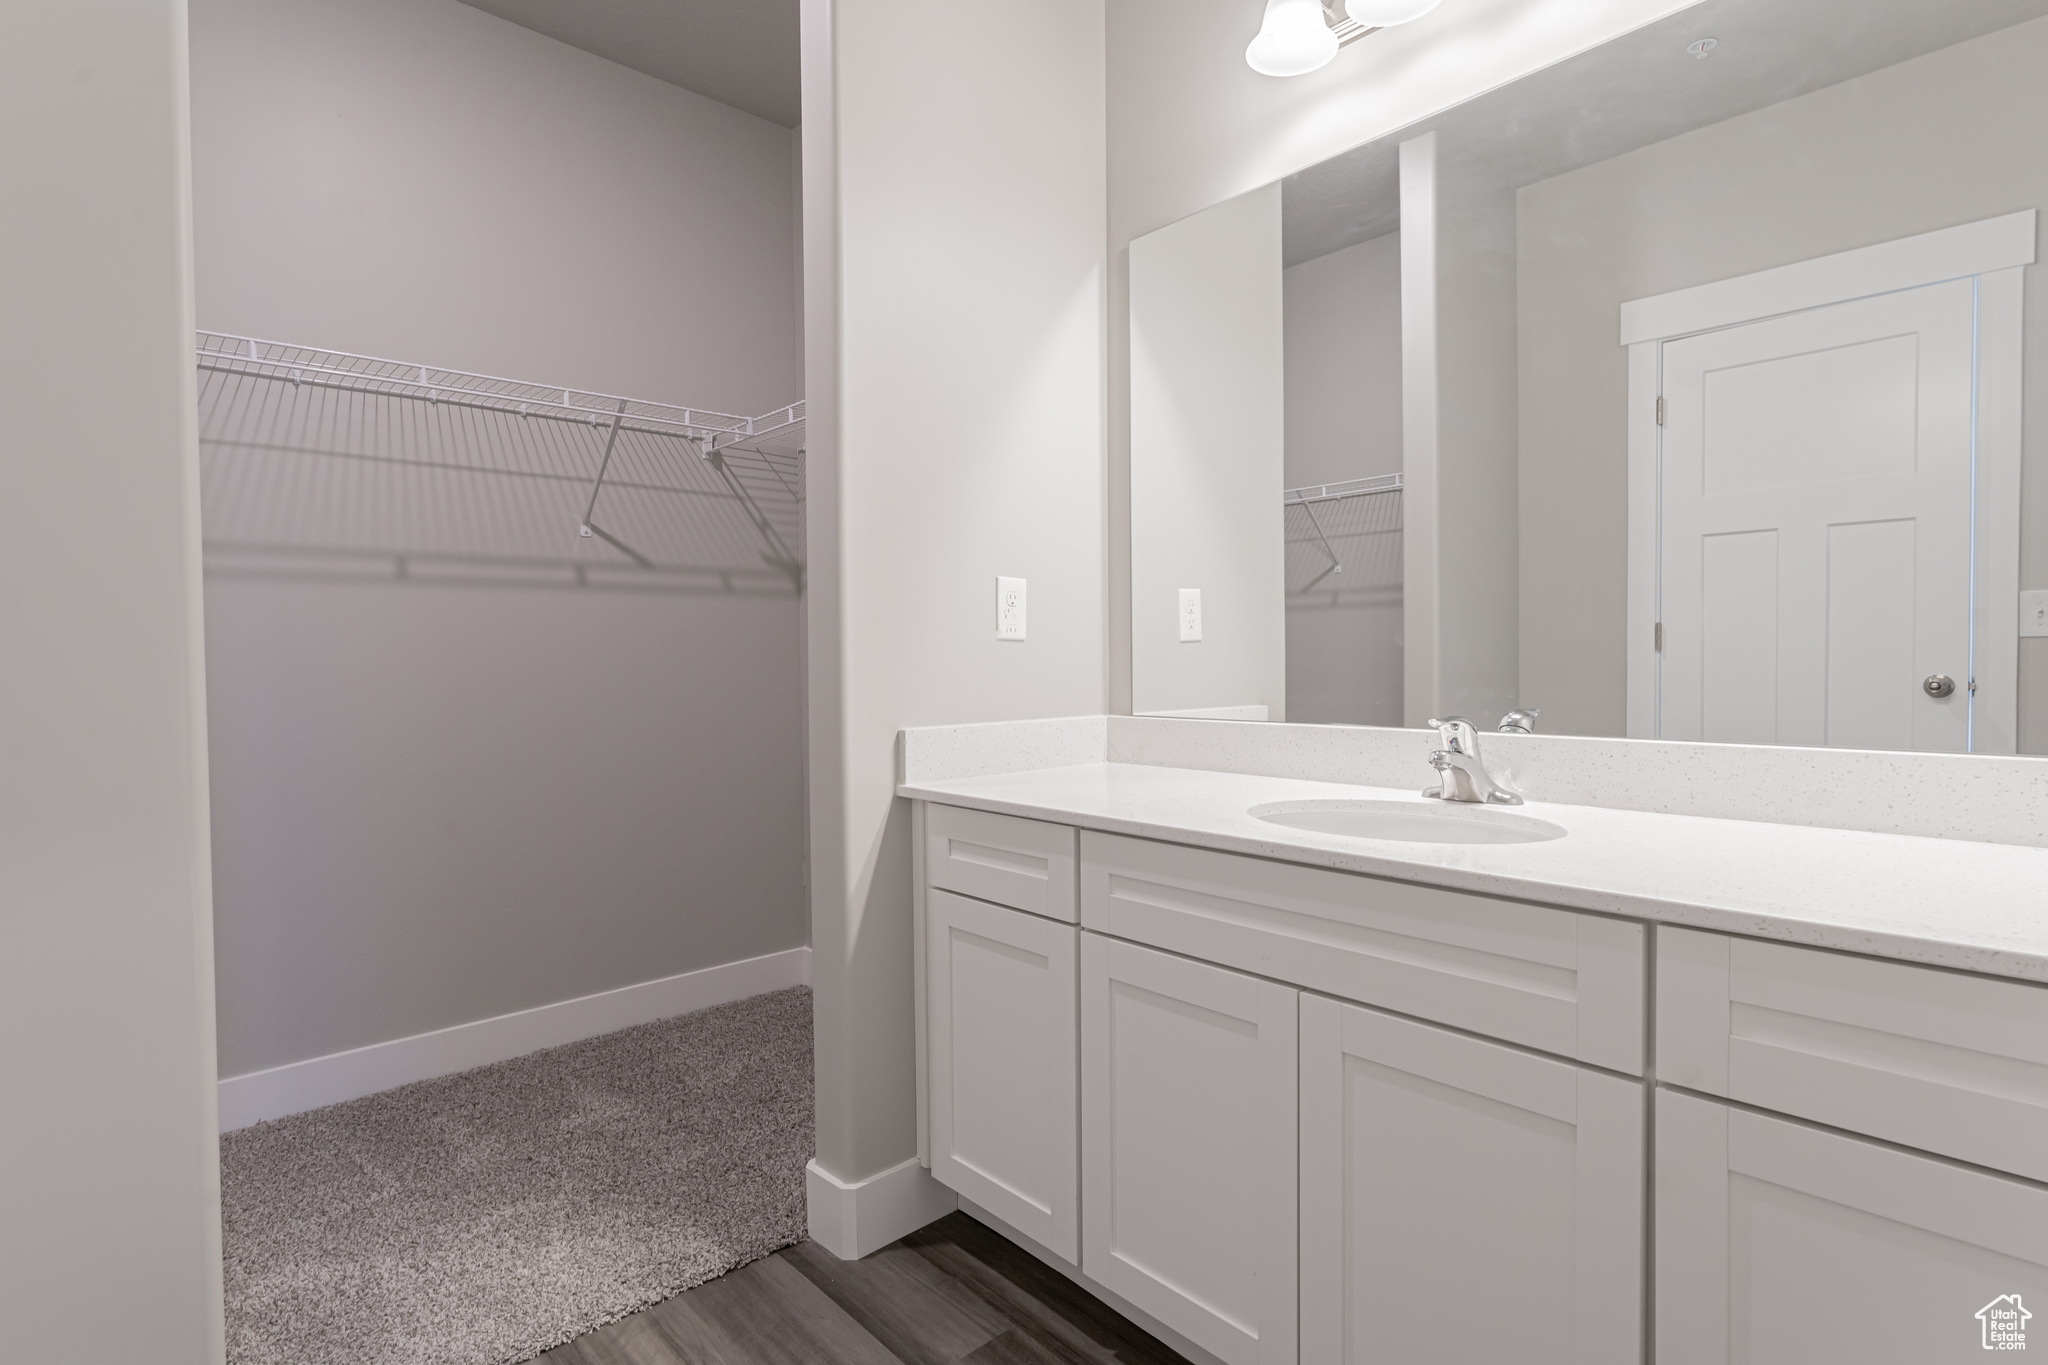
(1938, 685)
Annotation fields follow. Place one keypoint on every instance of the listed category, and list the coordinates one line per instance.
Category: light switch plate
(1009, 608)
(2034, 612)
(1190, 615)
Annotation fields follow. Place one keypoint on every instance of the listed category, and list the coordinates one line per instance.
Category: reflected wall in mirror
(1675, 391)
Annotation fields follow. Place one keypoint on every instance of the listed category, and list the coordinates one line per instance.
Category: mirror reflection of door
(1817, 579)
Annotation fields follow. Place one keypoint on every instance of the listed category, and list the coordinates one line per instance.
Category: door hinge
(1657, 637)
(1660, 409)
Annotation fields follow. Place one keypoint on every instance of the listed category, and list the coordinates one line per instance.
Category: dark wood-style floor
(951, 1292)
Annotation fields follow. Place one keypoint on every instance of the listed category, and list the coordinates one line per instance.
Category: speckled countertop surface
(1953, 903)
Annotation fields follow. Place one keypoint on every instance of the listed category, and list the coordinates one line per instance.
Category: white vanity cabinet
(1461, 1200)
(1188, 1149)
(1298, 1114)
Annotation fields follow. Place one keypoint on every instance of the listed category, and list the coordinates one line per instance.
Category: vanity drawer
(1024, 864)
(1925, 1058)
(1548, 979)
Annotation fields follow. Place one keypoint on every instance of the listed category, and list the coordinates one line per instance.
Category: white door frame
(1994, 252)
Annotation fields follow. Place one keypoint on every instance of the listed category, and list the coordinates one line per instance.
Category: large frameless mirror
(1675, 391)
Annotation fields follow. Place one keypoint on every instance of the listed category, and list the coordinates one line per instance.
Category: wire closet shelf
(322, 461)
(1351, 528)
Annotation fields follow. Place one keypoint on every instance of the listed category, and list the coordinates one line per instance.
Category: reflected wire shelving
(1351, 528)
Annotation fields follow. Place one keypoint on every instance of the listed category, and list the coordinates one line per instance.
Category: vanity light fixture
(1300, 36)
(1383, 13)
(1294, 40)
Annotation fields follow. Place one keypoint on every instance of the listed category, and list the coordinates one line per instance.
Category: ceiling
(738, 52)
(1641, 88)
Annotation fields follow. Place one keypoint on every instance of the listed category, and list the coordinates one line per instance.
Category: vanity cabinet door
(1464, 1201)
(1188, 1146)
(1780, 1243)
(1001, 1020)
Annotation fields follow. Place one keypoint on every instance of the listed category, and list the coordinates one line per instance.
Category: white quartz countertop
(1977, 907)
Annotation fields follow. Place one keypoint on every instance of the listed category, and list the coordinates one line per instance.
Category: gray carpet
(482, 1218)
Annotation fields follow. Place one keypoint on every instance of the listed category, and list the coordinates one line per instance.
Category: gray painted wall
(438, 803)
(1948, 138)
(1344, 422)
(1344, 363)
(954, 296)
(1208, 422)
(109, 1190)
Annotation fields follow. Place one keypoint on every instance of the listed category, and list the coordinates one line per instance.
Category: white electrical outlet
(1190, 615)
(1009, 608)
(2034, 612)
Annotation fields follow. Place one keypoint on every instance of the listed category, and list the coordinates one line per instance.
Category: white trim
(1645, 496)
(851, 1220)
(1948, 254)
(920, 968)
(299, 1086)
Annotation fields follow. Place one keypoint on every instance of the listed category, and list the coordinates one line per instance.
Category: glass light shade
(1293, 40)
(1385, 13)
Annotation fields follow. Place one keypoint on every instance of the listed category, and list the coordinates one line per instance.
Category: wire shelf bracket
(1307, 498)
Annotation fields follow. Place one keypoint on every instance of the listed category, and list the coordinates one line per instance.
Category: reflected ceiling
(1640, 88)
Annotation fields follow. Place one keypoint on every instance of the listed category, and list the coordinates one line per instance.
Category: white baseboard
(299, 1086)
(851, 1220)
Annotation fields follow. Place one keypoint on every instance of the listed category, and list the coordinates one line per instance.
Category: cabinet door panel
(1780, 1244)
(1188, 1143)
(1004, 1128)
(1463, 1201)
(1565, 983)
(1937, 1060)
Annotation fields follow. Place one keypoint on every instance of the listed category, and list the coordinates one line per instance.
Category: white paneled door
(1816, 540)
(1463, 1201)
(1188, 1118)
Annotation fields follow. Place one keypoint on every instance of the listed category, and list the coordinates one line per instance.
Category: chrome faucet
(1464, 776)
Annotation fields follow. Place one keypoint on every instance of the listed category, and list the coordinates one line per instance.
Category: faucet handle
(1458, 734)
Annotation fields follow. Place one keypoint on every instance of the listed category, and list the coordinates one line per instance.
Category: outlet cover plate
(1009, 608)
(1190, 615)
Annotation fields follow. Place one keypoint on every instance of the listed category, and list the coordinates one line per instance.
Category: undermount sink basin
(1410, 822)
